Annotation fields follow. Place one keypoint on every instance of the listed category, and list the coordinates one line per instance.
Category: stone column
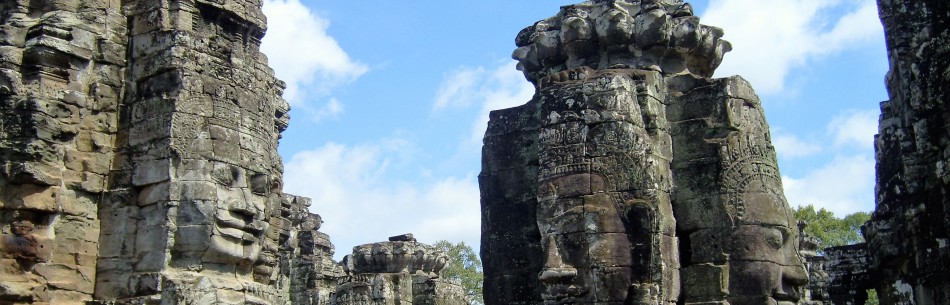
(739, 236)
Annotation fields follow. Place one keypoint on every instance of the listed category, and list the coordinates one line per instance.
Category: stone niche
(631, 176)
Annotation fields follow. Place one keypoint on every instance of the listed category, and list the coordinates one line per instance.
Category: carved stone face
(228, 227)
(765, 266)
(587, 252)
(766, 263)
(239, 216)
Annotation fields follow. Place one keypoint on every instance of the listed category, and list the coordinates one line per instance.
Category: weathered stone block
(150, 172)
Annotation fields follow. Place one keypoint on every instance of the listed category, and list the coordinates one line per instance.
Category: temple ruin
(139, 150)
(140, 166)
(632, 177)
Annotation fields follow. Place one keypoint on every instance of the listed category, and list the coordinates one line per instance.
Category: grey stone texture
(400, 271)
(632, 177)
(909, 232)
(139, 163)
(849, 276)
(61, 82)
(815, 263)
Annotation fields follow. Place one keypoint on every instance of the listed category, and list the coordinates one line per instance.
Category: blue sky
(390, 100)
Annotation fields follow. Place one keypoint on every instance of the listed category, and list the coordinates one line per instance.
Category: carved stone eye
(777, 239)
(260, 184)
(225, 174)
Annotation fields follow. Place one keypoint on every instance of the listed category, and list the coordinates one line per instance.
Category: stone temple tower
(632, 176)
(139, 165)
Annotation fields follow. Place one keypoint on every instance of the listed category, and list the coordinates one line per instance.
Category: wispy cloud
(771, 37)
(496, 87)
(789, 146)
(855, 128)
(303, 54)
(845, 183)
(360, 203)
(458, 87)
(844, 186)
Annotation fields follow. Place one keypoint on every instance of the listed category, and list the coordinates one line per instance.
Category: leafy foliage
(465, 267)
(872, 298)
(830, 230)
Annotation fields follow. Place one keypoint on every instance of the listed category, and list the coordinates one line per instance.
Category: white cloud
(771, 37)
(456, 90)
(789, 146)
(856, 128)
(360, 204)
(498, 87)
(844, 186)
(329, 110)
(303, 54)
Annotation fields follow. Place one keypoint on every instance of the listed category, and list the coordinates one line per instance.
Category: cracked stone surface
(909, 230)
(632, 177)
(140, 165)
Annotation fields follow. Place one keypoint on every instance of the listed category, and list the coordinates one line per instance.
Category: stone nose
(555, 270)
(792, 281)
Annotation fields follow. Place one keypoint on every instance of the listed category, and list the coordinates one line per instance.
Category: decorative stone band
(396, 257)
(658, 35)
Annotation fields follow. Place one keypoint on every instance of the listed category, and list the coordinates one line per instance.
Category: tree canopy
(830, 230)
(464, 266)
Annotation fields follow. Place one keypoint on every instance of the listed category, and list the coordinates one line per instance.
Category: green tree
(830, 230)
(465, 267)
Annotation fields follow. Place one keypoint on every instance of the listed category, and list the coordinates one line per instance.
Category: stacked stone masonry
(139, 148)
(139, 166)
(909, 232)
(632, 177)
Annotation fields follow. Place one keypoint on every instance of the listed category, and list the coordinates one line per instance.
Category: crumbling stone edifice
(909, 232)
(632, 176)
(139, 166)
(139, 162)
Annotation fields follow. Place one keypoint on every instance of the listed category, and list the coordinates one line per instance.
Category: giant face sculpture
(587, 252)
(239, 219)
(228, 225)
(733, 213)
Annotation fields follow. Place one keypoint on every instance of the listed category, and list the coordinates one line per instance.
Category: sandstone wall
(631, 176)
(909, 233)
(61, 83)
(139, 162)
